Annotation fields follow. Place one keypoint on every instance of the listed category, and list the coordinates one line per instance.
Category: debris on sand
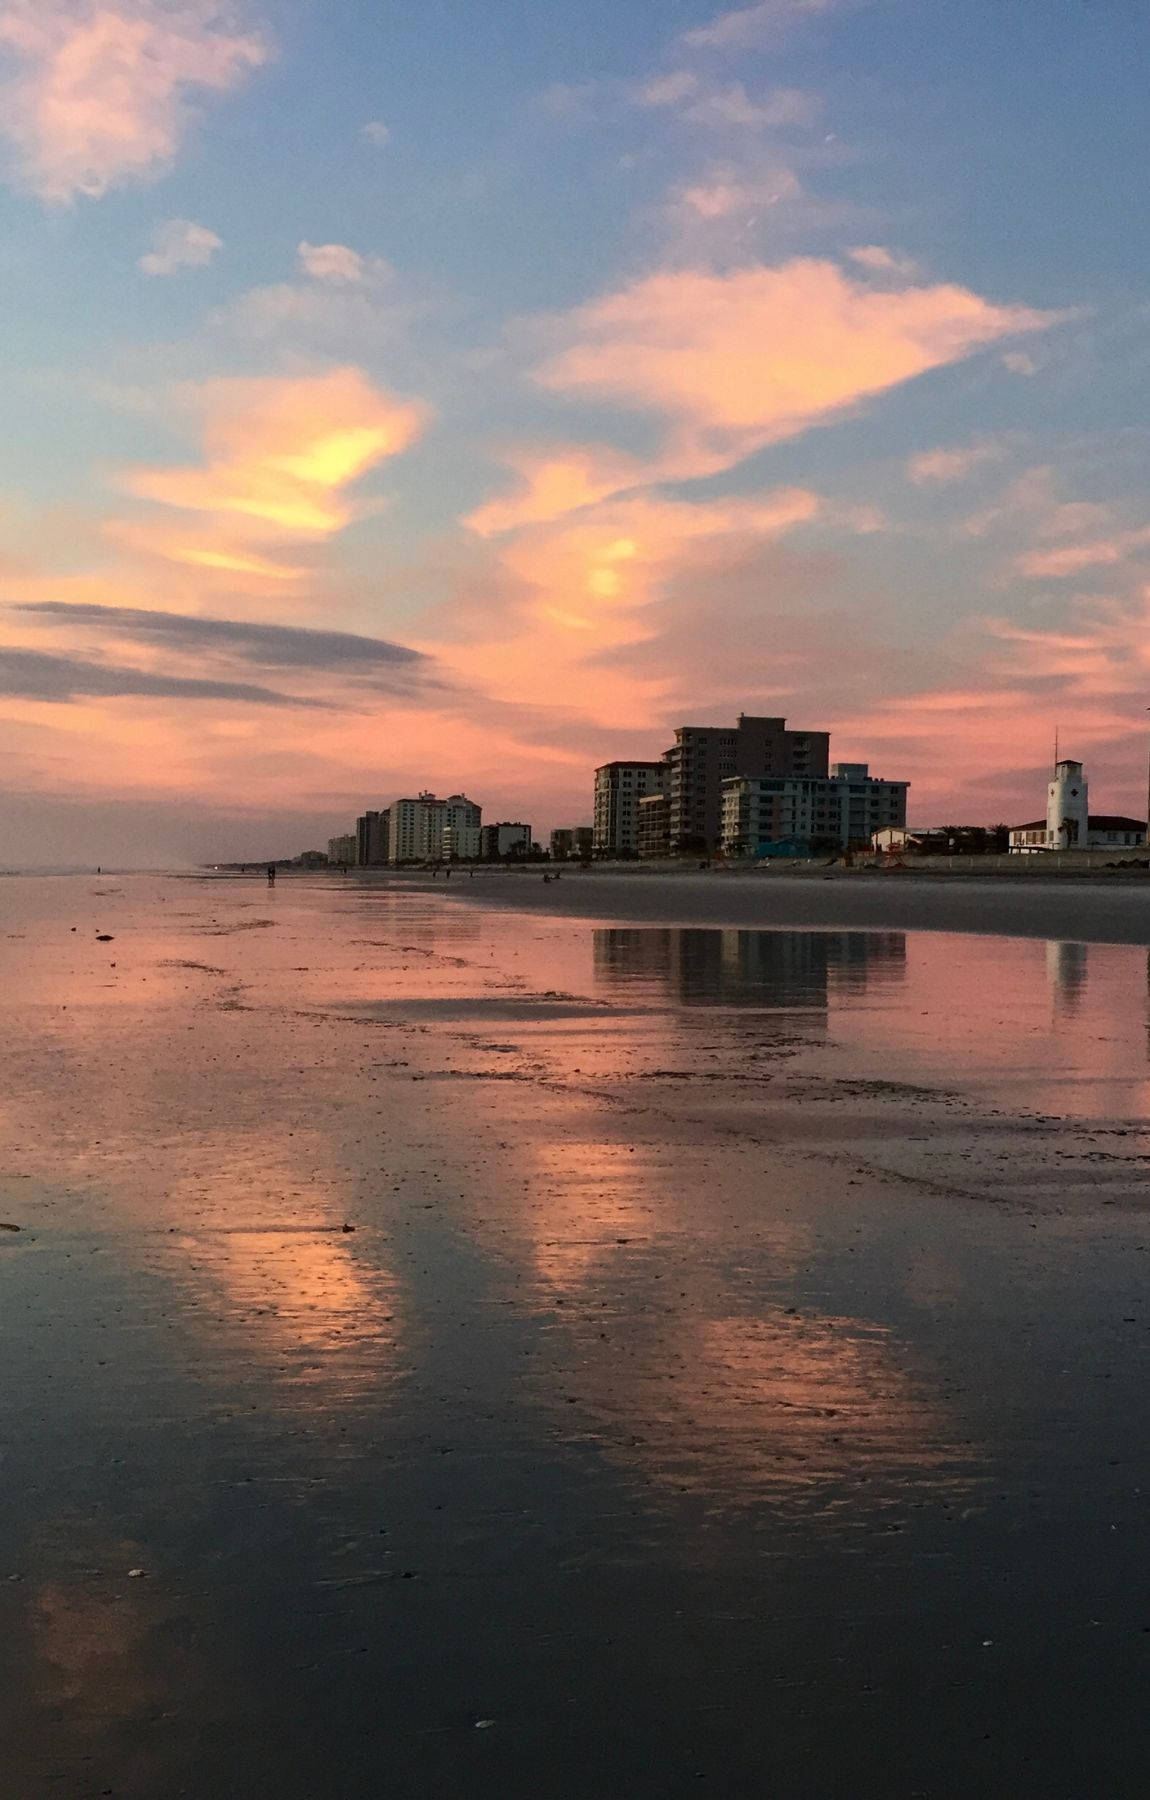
(4, 1226)
(104, 937)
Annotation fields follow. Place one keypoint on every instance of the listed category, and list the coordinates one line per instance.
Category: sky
(461, 395)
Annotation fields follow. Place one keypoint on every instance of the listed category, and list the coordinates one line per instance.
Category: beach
(615, 1337)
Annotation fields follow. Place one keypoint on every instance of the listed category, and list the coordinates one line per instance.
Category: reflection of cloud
(100, 91)
(292, 1293)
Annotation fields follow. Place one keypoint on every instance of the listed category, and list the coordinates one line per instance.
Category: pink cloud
(100, 91)
(1071, 559)
(741, 360)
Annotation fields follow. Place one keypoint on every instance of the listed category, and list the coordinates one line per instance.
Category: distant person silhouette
(271, 874)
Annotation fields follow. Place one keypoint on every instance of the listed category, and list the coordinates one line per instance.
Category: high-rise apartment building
(655, 825)
(428, 829)
(769, 815)
(342, 850)
(703, 757)
(619, 787)
(505, 839)
(371, 834)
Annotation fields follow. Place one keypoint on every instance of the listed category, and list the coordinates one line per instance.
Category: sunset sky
(463, 394)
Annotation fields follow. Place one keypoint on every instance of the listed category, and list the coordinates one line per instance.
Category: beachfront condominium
(371, 834)
(619, 787)
(703, 757)
(778, 815)
(341, 851)
(428, 829)
(655, 825)
(505, 839)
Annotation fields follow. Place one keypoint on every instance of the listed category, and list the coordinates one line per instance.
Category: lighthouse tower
(1067, 808)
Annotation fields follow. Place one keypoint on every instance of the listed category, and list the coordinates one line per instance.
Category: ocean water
(453, 1348)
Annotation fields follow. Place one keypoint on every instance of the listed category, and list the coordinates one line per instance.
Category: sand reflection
(306, 1297)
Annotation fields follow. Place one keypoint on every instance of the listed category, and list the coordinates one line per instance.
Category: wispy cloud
(180, 244)
(377, 133)
(269, 646)
(940, 467)
(883, 261)
(100, 91)
(752, 27)
(38, 675)
(727, 105)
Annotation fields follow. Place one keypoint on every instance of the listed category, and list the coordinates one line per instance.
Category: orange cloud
(100, 90)
(279, 455)
(746, 359)
(557, 481)
(583, 583)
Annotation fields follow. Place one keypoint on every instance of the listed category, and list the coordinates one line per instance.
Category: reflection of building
(780, 816)
(619, 787)
(768, 969)
(1069, 823)
(1067, 966)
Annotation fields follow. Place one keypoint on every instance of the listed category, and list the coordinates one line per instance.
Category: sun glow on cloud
(280, 453)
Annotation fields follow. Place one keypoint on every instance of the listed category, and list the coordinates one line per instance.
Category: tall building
(619, 787)
(655, 825)
(341, 851)
(572, 843)
(505, 839)
(371, 834)
(771, 815)
(703, 757)
(428, 829)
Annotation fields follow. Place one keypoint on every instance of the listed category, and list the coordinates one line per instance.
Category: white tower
(1067, 808)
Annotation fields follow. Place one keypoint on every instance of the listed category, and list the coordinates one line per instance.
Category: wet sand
(1106, 907)
(733, 1378)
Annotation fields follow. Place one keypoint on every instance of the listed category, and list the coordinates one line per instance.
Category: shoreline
(1090, 912)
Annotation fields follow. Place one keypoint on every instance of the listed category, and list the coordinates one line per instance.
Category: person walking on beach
(271, 874)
